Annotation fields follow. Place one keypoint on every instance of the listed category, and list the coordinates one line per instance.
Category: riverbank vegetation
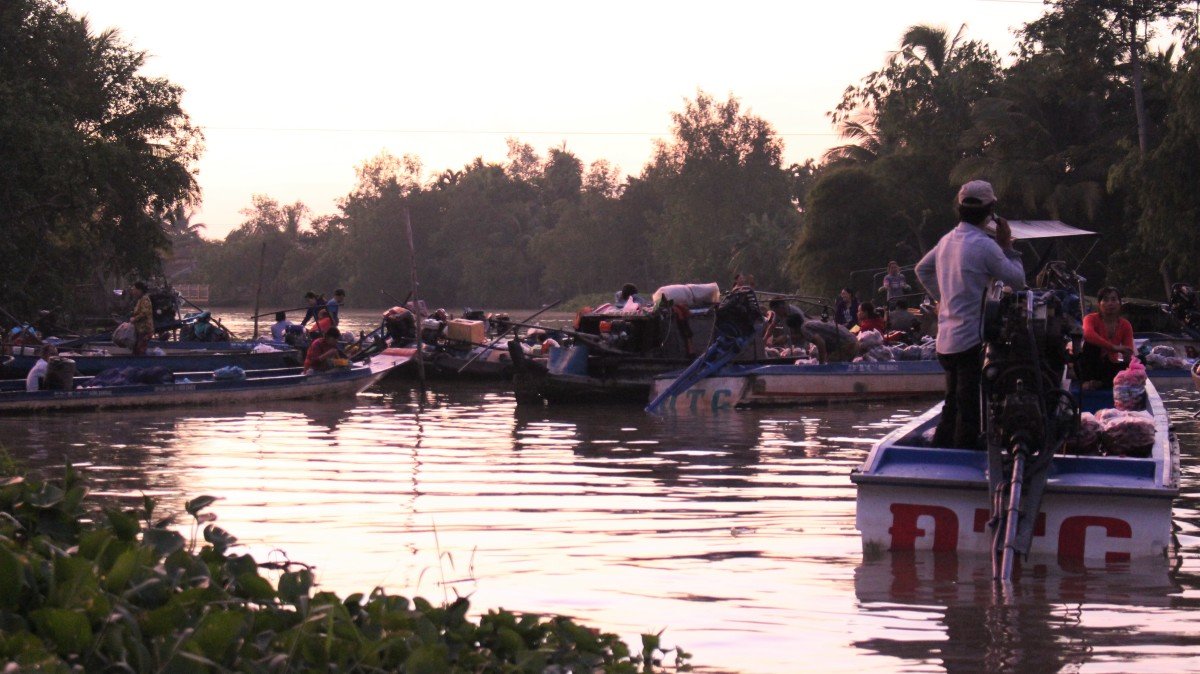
(91, 586)
(1090, 117)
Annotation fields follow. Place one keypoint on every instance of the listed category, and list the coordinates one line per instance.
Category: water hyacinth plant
(85, 587)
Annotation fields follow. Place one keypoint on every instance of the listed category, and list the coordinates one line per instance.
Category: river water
(733, 532)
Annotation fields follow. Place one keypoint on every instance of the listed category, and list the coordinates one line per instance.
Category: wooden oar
(272, 313)
(499, 337)
(78, 341)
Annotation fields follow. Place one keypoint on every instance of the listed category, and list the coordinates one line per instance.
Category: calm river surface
(733, 532)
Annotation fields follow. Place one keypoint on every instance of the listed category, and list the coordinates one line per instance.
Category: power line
(471, 132)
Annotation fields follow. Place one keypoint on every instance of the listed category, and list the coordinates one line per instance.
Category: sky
(292, 96)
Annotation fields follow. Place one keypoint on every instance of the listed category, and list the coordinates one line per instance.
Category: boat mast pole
(412, 254)
(262, 254)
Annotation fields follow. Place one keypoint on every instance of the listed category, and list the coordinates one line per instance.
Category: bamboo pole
(412, 252)
(262, 255)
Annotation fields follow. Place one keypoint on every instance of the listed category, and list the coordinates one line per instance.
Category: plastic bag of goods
(1129, 387)
(868, 339)
(1126, 433)
(263, 348)
(689, 294)
(124, 335)
(1086, 438)
(879, 354)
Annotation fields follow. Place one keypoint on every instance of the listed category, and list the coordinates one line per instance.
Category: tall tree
(93, 155)
(721, 169)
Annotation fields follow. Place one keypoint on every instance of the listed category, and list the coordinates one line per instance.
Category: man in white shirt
(957, 272)
(35, 380)
(280, 327)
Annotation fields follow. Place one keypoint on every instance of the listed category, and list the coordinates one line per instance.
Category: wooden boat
(752, 384)
(95, 362)
(1184, 345)
(197, 388)
(1114, 508)
(616, 356)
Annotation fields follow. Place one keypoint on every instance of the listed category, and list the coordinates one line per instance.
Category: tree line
(1091, 121)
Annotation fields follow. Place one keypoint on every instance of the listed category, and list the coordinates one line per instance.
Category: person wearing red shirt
(867, 320)
(1107, 342)
(321, 351)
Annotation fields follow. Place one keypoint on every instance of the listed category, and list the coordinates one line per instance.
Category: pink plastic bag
(1134, 375)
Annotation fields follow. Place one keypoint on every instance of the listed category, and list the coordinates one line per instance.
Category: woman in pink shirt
(1107, 342)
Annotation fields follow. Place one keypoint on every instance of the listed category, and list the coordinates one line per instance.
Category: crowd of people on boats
(930, 310)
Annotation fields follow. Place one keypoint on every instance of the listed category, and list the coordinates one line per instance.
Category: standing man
(142, 319)
(957, 272)
(339, 298)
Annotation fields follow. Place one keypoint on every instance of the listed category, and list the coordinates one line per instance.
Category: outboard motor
(1028, 416)
(1185, 306)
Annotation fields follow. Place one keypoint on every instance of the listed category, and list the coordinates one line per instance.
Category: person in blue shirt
(339, 298)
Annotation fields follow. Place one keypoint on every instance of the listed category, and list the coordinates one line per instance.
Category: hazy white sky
(293, 95)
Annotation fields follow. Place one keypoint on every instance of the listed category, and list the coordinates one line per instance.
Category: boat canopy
(1041, 229)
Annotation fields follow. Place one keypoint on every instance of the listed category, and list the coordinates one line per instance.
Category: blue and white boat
(912, 496)
(750, 384)
(91, 362)
(197, 388)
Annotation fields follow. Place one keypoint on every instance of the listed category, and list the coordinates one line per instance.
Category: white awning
(1041, 229)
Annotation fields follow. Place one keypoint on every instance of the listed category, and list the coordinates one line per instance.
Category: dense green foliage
(90, 589)
(1084, 123)
(533, 229)
(92, 156)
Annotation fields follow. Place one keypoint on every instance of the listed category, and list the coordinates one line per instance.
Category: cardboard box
(466, 331)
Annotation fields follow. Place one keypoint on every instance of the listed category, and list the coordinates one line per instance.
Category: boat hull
(1109, 508)
(259, 386)
(773, 385)
(172, 361)
(1077, 524)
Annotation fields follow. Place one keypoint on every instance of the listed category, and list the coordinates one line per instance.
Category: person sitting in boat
(203, 330)
(25, 335)
(142, 318)
(400, 326)
(323, 322)
(625, 294)
(777, 331)
(901, 319)
(894, 283)
(35, 380)
(869, 320)
(1107, 342)
(279, 329)
(845, 310)
(835, 343)
(322, 352)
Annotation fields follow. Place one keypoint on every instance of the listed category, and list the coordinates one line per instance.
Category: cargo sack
(125, 335)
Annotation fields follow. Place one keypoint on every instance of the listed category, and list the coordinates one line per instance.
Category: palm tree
(178, 225)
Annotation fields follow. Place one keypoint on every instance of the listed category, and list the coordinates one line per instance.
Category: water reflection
(733, 531)
(943, 609)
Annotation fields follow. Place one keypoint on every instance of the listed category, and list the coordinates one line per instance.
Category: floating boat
(616, 356)
(1184, 345)
(95, 362)
(752, 384)
(197, 388)
(1114, 508)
